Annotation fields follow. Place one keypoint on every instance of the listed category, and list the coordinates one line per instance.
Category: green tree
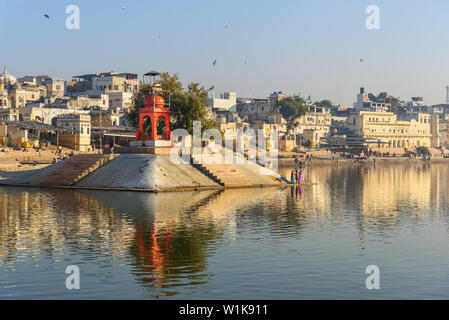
(291, 108)
(188, 104)
(423, 150)
(397, 106)
(324, 104)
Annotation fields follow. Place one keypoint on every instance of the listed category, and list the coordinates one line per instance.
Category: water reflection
(190, 244)
(381, 193)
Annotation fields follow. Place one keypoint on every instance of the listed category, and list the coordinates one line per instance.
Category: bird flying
(227, 25)
(215, 62)
(47, 16)
(123, 8)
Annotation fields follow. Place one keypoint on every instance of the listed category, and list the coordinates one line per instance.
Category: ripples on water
(290, 243)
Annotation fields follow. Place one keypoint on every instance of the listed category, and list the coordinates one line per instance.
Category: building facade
(227, 101)
(370, 102)
(384, 126)
(79, 136)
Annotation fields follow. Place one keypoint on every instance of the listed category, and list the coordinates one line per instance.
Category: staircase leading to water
(76, 168)
(226, 175)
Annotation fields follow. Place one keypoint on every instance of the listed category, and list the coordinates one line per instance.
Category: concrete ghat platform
(145, 172)
(140, 172)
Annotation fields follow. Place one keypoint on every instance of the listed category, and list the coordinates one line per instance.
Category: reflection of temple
(165, 241)
(168, 241)
(153, 253)
(173, 238)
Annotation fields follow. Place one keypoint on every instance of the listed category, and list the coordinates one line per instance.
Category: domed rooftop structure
(154, 100)
(7, 78)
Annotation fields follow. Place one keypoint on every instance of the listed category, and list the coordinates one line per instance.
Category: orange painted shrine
(154, 120)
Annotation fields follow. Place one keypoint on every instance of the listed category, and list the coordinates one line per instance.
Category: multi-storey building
(420, 130)
(227, 101)
(79, 136)
(258, 109)
(313, 126)
(370, 102)
(81, 102)
(104, 82)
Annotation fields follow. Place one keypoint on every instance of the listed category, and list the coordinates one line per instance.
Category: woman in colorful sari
(301, 176)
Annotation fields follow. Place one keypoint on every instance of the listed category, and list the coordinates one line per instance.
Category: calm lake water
(308, 243)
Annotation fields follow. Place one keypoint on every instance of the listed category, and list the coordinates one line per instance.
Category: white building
(369, 102)
(120, 100)
(75, 122)
(79, 136)
(57, 87)
(227, 101)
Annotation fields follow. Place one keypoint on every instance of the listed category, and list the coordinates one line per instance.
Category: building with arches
(154, 119)
(419, 130)
(16, 93)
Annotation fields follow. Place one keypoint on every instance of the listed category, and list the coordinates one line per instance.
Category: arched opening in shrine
(161, 126)
(147, 128)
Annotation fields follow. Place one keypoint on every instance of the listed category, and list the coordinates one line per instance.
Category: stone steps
(227, 175)
(76, 168)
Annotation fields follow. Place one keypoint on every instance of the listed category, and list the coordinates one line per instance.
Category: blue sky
(307, 47)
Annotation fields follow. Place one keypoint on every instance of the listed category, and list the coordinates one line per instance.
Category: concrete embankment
(148, 172)
(29, 177)
(143, 172)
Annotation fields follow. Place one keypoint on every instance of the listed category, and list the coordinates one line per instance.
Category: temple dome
(7, 78)
(154, 100)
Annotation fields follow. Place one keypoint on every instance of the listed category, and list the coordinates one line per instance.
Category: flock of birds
(227, 26)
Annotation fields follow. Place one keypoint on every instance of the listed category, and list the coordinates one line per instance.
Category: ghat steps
(76, 168)
(227, 175)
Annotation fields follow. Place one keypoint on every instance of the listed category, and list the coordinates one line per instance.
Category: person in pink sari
(301, 176)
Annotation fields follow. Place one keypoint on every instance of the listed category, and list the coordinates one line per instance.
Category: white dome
(7, 78)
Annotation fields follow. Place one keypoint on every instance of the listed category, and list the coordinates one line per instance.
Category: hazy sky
(308, 47)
